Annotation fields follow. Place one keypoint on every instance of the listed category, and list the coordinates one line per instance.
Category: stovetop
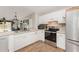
(53, 30)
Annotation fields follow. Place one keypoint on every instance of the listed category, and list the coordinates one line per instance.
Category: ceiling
(23, 11)
(45, 9)
(31, 9)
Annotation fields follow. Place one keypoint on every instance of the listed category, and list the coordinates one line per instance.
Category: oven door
(51, 36)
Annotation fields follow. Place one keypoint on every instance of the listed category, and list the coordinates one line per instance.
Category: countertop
(15, 32)
(61, 32)
(6, 33)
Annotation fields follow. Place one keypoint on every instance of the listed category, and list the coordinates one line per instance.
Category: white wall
(52, 16)
(33, 20)
(9, 12)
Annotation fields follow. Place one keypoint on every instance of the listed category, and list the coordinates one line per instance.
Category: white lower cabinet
(61, 40)
(18, 42)
(41, 35)
(21, 40)
(4, 44)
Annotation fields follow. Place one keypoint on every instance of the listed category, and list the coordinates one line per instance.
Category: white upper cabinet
(54, 16)
(62, 19)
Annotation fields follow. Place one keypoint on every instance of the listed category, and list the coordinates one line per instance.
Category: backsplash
(53, 23)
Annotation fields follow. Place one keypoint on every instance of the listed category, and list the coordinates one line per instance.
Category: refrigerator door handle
(73, 40)
(75, 43)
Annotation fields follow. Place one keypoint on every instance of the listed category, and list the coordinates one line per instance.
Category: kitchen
(21, 27)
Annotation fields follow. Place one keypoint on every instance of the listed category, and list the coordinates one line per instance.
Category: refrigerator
(72, 30)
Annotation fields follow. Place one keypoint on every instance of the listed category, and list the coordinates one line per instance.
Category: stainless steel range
(50, 36)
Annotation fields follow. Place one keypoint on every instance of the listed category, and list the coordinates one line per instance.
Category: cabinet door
(61, 41)
(11, 43)
(32, 37)
(28, 38)
(4, 44)
(18, 42)
(41, 35)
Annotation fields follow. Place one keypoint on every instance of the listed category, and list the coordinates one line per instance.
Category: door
(69, 25)
(72, 25)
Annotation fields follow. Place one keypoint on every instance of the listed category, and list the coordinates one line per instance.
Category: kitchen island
(12, 41)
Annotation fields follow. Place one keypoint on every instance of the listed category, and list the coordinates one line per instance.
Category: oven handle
(50, 32)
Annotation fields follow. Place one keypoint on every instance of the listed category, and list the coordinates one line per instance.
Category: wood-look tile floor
(40, 47)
